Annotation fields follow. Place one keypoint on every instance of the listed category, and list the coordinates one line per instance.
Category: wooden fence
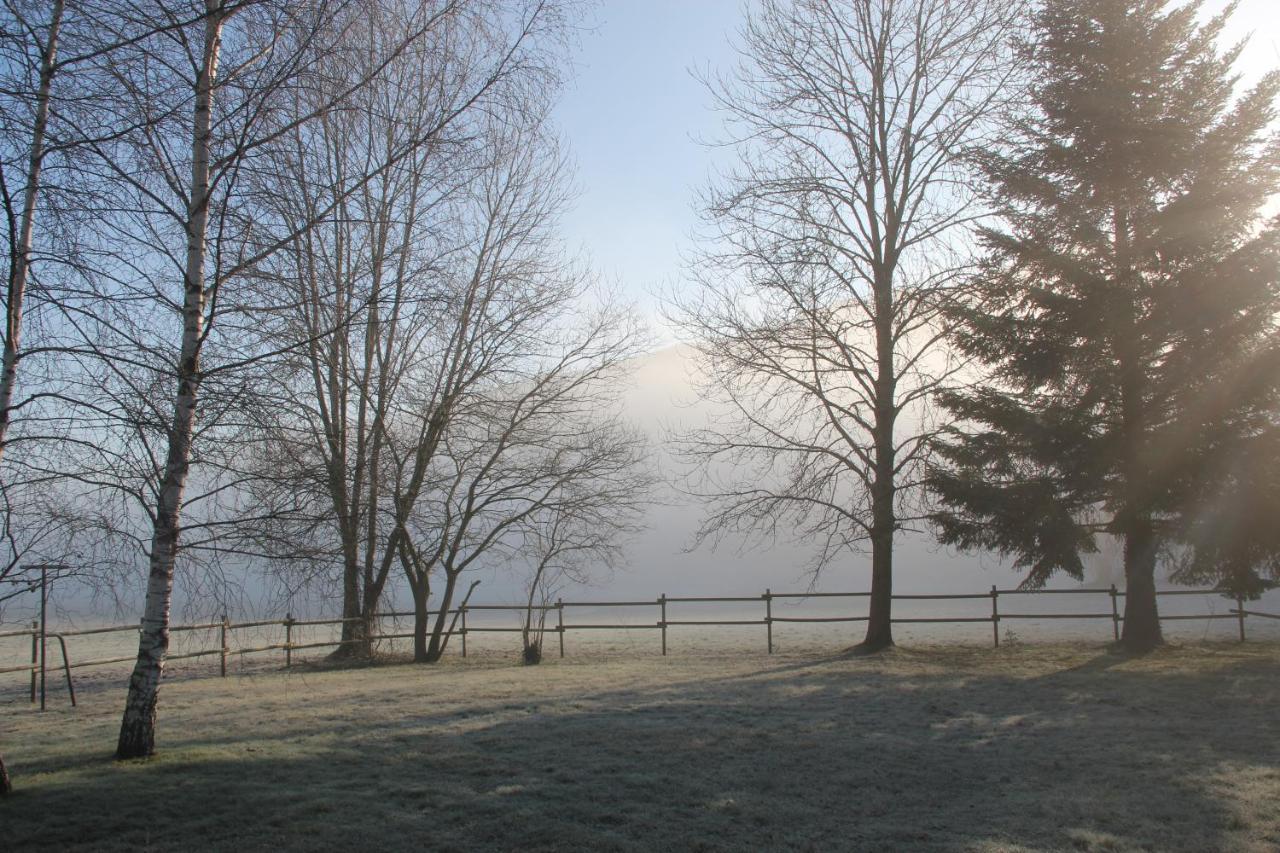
(38, 666)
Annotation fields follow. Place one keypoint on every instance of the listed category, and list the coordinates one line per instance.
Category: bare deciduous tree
(45, 50)
(392, 292)
(535, 453)
(817, 306)
(200, 108)
(581, 528)
(481, 399)
(20, 215)
(221, 63)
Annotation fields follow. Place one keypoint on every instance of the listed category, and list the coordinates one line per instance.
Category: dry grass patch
(1028, 748)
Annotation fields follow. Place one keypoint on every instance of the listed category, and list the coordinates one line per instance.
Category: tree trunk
(530, 639)
(438, 640)
(20, 257)
(137, 729)
(421, 592)
(363, 644)
(20, 252)
(1141, 631)
(883, 520)
(879, 621)
(354, 640)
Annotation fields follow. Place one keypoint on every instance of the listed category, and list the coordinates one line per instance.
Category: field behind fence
(34, 666)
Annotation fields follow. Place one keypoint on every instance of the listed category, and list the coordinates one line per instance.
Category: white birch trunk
(137, 729)
(20, 258)
(20, 255)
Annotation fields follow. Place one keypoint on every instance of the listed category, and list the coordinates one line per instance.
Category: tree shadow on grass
(825, 755)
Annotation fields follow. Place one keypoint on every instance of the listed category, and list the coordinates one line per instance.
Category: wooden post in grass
(223, 644)
(995, 616)
(1240, 614)
(1115, 613)
(35, 656)
(66, 669)
(464, 630)
(662, 603)
(44, 626)
(560, 623)
(288, 640)
(768, 616)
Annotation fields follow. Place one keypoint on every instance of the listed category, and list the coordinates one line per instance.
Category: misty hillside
(663, 401)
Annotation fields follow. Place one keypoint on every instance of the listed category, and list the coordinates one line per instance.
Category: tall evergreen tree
(1127, 313)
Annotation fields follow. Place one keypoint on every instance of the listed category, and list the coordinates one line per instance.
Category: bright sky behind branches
(635, 118)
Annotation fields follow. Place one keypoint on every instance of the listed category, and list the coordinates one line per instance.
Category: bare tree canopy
(158, 325)
(832, 246)
(434, 304)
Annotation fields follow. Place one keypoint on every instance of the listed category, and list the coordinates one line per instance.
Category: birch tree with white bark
(50, 101)
(35, 56)
(168, 331)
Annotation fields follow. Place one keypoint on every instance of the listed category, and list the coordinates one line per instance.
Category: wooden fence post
(44, 629)
(288, 640)
(768, 616)
(560, 623)
(464, 630)
(1240, 614)
(995, 616)
(35, 656)
(662, 603)
(66, 669)
(1115, 614)
(223, 655)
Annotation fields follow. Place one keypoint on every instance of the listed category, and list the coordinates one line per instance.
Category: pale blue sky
(632, 118)
(634, 113)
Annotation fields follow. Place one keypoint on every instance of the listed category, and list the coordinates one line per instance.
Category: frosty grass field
(1034, 746)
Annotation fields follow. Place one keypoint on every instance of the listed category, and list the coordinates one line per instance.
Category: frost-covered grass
(1031, 747)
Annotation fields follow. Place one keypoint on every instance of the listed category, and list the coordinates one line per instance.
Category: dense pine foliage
(1126, 313)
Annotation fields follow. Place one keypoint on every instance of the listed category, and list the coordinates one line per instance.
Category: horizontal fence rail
(225, 628)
